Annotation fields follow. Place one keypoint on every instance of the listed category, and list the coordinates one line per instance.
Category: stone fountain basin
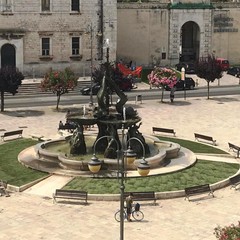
(164, 152)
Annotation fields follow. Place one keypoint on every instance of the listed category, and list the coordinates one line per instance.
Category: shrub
(231, 232)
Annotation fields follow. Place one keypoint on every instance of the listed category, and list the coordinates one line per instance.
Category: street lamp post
(143, 168)
(91, 38)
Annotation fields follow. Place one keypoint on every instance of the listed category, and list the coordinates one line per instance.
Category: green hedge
(145, 72)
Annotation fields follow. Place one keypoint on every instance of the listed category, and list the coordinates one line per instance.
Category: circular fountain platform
(165, 157)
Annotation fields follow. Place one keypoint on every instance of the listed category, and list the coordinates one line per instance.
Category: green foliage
(208, 69)
(145, 73)
(10, 79)
(195, 147)
(203, 171)
(231, 232)
(10, 169)
(200, 173)
(59, 82)
(133, 1)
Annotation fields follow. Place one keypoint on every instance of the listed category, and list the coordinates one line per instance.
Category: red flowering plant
(231, 232)
(59, 82)
(162, 77)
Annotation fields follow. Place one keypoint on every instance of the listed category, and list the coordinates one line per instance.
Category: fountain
(70, 155)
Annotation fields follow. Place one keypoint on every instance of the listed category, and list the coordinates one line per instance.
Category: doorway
(8, 55)
(190, 42)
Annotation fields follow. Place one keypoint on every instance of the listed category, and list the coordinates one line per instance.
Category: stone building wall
(145, 30)
(25, 24)
(143, 33)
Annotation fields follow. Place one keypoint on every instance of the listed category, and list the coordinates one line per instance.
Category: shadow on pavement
(23, 113)
(224, 99)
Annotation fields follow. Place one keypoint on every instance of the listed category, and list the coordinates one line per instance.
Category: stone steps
(34, 88)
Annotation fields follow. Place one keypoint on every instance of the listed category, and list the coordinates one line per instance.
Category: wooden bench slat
(12, 133)
(195, 190)
(234, 148)
(235, 181)
(142, 196)
(204, 137)
(70, 194)
(164, 130)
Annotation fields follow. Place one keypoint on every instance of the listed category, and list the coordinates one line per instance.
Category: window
(6, 5)
(45, 46)
(164, 55)
(75, 45)
(45, 5)
(75, 6)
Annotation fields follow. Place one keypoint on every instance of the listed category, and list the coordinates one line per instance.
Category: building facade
(36, 35)
(166, 32)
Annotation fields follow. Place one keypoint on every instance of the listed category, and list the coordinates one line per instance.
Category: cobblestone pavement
(30, 216)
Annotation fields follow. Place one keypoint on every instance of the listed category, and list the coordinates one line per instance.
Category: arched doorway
(8, 55)
(190, 41)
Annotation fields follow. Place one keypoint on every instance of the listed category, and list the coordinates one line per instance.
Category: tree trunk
(58, 100)
(2, 101)
(208, 89)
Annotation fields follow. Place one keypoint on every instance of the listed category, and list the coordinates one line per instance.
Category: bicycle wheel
(138, 215)
(117, 216)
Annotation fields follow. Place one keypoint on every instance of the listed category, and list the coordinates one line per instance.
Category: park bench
(204, 137)
(196, 190)
(235, 181)
(12, 133)
(164, 130)
(70, 128)
(67, 127)
(70, 194)
(3, 188)
(234, 148)
(142, 196)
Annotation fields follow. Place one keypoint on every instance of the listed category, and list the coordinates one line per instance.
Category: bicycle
(137, 215)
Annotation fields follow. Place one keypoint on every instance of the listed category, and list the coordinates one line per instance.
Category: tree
(10, 79)
(208, 69)
(161, 77)
(59, 82)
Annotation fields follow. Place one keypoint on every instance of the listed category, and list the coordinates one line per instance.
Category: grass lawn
(195, 147)
(202, 172)
(10, 169)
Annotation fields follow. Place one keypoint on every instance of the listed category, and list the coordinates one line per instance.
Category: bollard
(138, 99)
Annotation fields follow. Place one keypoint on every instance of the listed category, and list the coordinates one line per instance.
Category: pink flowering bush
(161, 77)
(231, 232)
(59, 82)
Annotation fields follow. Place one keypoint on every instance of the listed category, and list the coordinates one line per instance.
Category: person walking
(172, 94)
(129, 202)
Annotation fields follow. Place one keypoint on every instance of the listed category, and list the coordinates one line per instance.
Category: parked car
(223, 63)
(125, 85)
(235, 71)
(190, 84)
(87, 90)
(189, 67)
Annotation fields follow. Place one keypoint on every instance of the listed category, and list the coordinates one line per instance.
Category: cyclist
(129, 202)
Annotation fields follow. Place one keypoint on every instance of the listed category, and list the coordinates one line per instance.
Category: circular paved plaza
(33, 215)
